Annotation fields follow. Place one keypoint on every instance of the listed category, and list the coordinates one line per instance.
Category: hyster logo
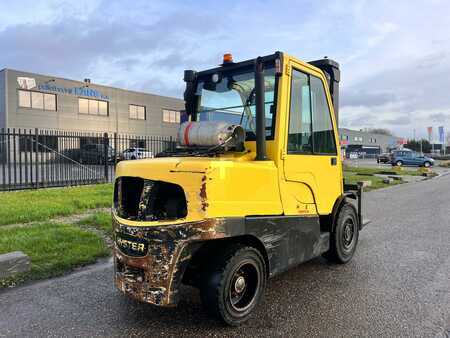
(131, 245)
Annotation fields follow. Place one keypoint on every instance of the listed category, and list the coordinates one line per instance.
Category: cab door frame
(307, 186)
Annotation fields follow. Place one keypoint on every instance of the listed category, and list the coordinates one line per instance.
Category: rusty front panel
(154, 278)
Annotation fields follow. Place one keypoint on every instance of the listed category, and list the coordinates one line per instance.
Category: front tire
(344, 238)
(233, 284)
(427, 164)
(399, 163)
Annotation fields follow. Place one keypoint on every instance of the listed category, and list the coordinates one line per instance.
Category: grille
(141, 199)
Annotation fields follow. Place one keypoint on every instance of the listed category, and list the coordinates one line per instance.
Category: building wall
(2, 99)
(67, 116)
(367, 139)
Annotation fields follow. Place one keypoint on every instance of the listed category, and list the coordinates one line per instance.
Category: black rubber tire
(339, 252)
(216, 283)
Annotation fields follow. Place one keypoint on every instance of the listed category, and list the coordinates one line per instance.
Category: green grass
(43, 204)
(377, 182)
(99, 220)
(388, 171)
(53, 248)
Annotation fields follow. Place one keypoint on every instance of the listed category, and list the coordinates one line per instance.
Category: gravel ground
(398, 284)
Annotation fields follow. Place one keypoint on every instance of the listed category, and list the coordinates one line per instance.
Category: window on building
(103, 108)
(93, 107)
(137, 112)
(50, 102)
(24, 99)
(83, 106)
(171, 116)
(37, 100)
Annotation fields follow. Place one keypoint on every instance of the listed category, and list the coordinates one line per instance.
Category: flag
(441, 134)
(430, 133)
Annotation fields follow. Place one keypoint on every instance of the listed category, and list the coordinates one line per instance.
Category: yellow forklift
(253, 188)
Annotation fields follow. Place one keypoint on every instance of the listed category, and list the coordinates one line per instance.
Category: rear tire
(233, 284)
(344, 238)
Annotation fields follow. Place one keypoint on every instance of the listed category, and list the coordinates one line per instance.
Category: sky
(394, 55)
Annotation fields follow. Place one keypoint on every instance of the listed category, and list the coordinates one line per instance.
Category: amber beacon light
(227, 58)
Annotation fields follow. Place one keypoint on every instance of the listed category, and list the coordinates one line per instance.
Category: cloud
(366, 98)
(440, 117)
(400, 120)
(394, 64)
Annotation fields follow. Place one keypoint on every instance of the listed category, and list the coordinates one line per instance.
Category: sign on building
(26, 82)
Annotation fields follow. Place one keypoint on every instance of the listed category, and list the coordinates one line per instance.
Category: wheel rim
(399, 163)
(348, 234)
(244, 286)
(427, 164)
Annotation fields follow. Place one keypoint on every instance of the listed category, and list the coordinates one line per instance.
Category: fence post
(105, 155)
(115, 150)
(36, 151)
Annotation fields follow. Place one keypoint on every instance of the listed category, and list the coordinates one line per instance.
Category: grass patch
(377, 182)
(43, 204)
(382, 171)
(99, 220)
(53, 248)
(445, 164)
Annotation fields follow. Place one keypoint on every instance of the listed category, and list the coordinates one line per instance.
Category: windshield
(229, 95)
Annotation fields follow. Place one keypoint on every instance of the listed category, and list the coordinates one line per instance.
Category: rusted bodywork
(156, 276)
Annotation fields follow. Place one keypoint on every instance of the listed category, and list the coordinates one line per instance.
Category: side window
(299, 138)
(323, 135)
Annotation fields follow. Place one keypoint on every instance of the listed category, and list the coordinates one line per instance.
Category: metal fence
(48, 158)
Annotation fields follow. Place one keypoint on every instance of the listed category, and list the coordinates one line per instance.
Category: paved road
(398, 284)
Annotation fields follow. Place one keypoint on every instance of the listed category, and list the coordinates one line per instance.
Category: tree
(415, 145)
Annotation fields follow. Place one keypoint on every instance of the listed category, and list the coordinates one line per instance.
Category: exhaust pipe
(260, 113)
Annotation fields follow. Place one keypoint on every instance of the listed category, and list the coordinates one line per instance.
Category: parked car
(136, 153)
(90, 154)
(384, 158)
(408, 157)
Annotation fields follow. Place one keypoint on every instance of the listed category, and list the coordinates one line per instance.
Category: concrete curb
(13, 263)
